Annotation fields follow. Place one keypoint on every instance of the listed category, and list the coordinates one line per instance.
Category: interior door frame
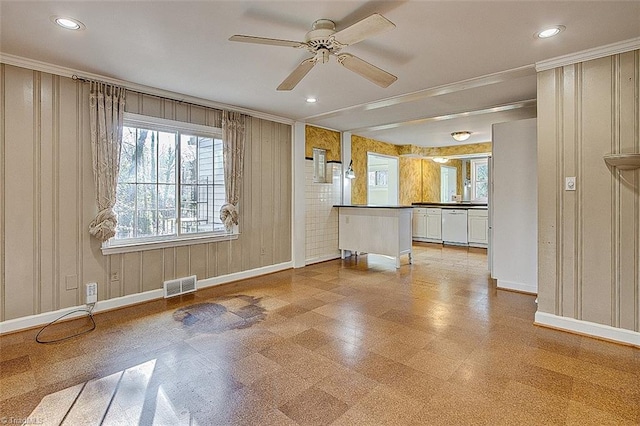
(397, 176)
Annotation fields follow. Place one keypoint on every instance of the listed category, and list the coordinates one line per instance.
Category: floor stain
(232, 312)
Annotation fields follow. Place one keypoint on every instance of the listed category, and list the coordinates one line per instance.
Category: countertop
(366, 206)
(466, 206)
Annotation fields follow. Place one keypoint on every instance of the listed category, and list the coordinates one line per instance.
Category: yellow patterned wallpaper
(315, 137)
(359, 148)
(419, 178)
(410, 180)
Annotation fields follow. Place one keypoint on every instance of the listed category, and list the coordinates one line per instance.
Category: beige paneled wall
(589, 240)
(47, 200)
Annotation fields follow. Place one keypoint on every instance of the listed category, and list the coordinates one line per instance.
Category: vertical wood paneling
(589, 110)
(37, 164)
(566, 102)
(69, 199)
(257, 212)
(152, 270)
(182, 262)
(548, 181)
(169, 256)
(213, 260)
(284, 223)
(223, 258)
(628, 183)
(18, 178)
(131, 273)
(596, 206)
(198, 260)
(47, 179)
(268, 206)
(245, 203)
(47, 213)
(3, 109)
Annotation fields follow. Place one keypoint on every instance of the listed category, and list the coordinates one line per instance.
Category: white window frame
(474, 163)
(114, 246)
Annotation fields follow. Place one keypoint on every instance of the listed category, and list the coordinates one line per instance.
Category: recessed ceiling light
(550, 32)
(312, 100)
(67, 23)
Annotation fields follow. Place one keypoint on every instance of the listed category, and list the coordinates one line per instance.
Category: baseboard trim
(586, 328)
(322, 259)
(31, 321)
(243, 275)
(522, 288)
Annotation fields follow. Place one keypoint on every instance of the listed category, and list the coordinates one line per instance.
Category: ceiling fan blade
(366, 70)
(298, 74)
(374, 24)
(269, 41)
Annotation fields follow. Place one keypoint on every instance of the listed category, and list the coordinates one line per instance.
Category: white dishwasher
(454, 226)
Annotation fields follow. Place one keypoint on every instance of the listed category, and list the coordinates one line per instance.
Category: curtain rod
(190, 100)
(180, 101)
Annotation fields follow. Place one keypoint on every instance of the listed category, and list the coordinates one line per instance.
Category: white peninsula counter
(382, 230)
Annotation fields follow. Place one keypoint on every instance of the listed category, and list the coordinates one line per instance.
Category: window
(479, 179)
(171, 181)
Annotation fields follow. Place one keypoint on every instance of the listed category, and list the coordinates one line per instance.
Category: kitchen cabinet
(419, 223)
(478, 225)
(375, 229)
(434, 225)
(427, 224)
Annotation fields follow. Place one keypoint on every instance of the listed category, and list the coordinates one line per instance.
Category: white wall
(514, 205)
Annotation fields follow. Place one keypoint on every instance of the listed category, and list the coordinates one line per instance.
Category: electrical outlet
(91, 292)
(262, 251)
(115, 276)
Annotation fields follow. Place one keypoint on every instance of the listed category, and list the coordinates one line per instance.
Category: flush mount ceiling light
(550, 32)
(68, 23)
(440, 160)
(461, 136)
(311, 100)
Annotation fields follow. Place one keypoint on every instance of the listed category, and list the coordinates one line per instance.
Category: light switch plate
(570, 183)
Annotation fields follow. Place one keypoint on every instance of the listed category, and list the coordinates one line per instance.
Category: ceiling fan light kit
(323, 41)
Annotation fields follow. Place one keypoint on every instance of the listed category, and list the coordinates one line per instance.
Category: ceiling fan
(323, 41)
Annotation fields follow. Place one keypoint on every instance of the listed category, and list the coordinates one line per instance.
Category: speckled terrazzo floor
(343, 343)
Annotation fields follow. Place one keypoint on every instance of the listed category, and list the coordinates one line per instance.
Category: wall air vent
(180, 286)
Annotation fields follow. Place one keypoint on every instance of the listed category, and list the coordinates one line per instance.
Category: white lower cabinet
(434, 224)
(478, 226)
(427, 224)
(419, 223)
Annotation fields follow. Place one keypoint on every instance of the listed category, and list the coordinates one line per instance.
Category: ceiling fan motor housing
(320, 36)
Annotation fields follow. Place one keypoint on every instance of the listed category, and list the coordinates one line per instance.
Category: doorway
(382, 180)
(448, 183)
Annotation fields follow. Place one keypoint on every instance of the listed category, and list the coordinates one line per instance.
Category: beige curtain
(106, 109)
(233, 124)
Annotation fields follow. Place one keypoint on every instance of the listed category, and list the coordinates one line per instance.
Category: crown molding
(36, 65)
(589, 54)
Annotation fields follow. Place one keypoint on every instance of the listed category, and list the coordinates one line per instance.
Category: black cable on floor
(87, 311)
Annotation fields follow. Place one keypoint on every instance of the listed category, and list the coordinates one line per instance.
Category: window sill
(174, 242)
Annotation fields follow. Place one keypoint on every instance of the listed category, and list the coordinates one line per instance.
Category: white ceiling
(455, 61)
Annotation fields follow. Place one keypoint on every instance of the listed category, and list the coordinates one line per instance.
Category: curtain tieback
(229, 215)
(104, 224)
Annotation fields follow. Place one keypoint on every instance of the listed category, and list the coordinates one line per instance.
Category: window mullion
(178, 184)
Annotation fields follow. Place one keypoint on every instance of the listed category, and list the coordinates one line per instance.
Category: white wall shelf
(623, 161)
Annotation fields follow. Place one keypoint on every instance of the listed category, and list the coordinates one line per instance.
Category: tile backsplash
(321, 224)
